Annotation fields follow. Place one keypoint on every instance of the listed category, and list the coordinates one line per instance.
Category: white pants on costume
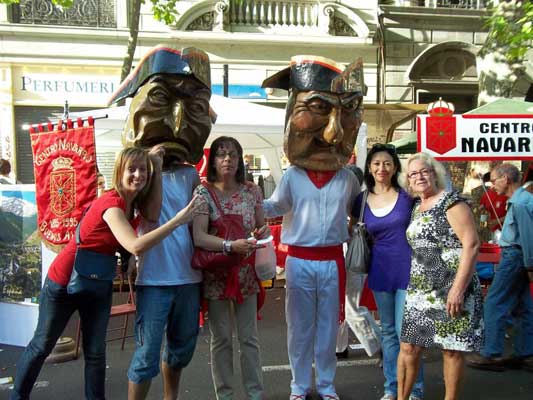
(221, 322)
(312, 312)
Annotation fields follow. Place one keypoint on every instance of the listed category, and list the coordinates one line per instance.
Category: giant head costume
(171, 89)
(323, 112)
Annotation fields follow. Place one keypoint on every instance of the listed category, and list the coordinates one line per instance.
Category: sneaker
(388, 396)
(414, 397)
(297, 396)
(490, 364)
(331, 397)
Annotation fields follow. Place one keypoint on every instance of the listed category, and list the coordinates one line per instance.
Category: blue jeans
(55, 308)
(509, 294)
(390, 310)
(176, 308)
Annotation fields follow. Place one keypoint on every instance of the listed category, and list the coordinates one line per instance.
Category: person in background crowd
(5, 171)
(100, 184)
(494, 204)
(108, 224)
(341, 348)
(443, 306)
(323, 116)
(171, 89)
(225, 177)
(387, 214)
(509, 292)
(528, 179)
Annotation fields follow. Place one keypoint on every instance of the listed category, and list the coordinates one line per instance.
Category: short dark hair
(389, 149)
(5, 167)
(218, 143)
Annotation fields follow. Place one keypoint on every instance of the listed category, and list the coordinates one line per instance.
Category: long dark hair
(390, 150)
(218, 143)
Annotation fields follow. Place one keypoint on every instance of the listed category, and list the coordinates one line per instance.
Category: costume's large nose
(177, 115)
(334, 132)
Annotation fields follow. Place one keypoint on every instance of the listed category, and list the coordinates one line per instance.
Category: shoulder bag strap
(78, 239)
(214, 197)
(363, 205)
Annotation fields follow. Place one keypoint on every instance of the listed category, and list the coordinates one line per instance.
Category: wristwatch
(226, 246)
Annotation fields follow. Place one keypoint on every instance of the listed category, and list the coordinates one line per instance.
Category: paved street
(358, 377)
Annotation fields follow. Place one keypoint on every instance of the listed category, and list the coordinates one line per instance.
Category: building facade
(413, 52)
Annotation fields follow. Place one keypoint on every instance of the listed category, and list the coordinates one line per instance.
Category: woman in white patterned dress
(443, 306)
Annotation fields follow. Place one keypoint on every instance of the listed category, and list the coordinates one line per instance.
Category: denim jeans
(174, 308)
(509, 294)
(55, 308)
(390, 310)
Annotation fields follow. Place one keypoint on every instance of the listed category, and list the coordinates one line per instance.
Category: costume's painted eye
(353, 104)
(319, 106)
(158, 96)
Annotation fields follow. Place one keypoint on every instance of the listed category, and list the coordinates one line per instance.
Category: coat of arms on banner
(441, 127)
(64, 162)
(62, 186)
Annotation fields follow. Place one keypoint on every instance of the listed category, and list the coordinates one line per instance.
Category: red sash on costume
(325, 253)
(320, 178)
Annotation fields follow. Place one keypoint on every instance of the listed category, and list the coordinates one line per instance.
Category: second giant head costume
(171, 90)
(323, 112)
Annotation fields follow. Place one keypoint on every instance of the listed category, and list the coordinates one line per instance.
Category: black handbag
(358, 253)
(93, 273)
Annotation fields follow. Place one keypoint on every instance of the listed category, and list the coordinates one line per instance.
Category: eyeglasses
(493, 181)
(423, 173)
(224, 154)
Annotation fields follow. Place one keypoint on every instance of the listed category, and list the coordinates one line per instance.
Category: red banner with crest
(64, 163)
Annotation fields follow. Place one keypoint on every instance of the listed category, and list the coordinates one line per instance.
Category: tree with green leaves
(501, 60)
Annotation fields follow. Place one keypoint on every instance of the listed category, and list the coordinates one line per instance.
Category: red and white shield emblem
(62, 187)
(441, 134)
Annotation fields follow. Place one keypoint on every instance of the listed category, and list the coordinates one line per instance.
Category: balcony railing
(465, 4)
(471, 4)
(89, 13)
(268, 13)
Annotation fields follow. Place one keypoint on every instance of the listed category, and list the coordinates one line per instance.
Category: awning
(406, 144)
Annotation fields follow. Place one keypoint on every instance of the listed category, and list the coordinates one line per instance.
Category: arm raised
(126, 236)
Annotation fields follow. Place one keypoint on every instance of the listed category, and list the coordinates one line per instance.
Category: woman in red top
(107, 226)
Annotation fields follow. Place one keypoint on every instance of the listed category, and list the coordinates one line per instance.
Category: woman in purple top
(387, 214)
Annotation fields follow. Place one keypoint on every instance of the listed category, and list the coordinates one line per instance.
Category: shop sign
(76, 88)
(450, 137)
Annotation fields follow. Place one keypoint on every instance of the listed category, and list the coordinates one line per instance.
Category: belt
(512, 246)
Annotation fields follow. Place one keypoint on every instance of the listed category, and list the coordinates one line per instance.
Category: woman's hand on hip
(454, 303)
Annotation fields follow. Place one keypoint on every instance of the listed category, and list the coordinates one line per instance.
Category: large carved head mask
(324, 110)
(171, 90)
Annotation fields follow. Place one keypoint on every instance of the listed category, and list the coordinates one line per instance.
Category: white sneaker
(388, 396)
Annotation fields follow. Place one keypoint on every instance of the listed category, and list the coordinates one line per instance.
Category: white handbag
(265, 262)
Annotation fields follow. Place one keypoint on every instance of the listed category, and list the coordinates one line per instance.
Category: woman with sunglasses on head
(386, 215)
(107, 226)
(443, 306)
(231, 297)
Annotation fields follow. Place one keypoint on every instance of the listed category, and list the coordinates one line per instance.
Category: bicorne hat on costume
(306, 73)
(164, 59)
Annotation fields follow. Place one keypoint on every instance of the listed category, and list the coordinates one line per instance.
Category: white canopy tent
(259, 129)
